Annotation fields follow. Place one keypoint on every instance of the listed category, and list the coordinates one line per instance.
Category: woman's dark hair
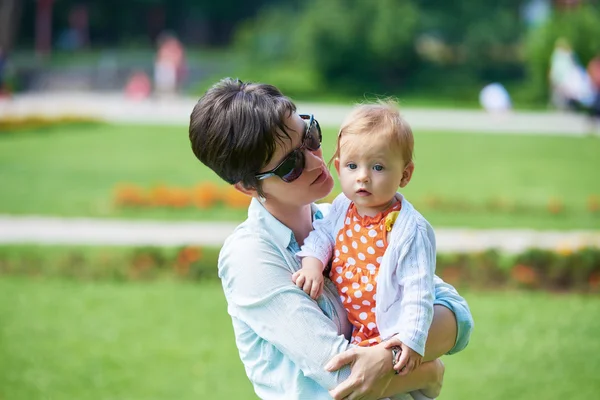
(235, 128)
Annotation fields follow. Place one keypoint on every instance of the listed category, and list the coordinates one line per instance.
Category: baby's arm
(316, 252)
(415, 272)
(310, 277)
(406, 360)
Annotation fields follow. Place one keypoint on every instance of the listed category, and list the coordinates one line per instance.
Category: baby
(383, 250)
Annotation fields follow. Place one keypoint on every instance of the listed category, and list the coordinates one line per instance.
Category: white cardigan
(406, 280)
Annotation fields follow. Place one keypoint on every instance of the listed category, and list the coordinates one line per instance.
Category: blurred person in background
(570, 84)
(169, 65)
(494, 98)
(593, 69)
(292, 346)
(138, 86)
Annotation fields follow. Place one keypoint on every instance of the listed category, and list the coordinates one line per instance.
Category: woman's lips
(321, 177)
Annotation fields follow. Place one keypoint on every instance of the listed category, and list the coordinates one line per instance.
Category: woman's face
(313, 184)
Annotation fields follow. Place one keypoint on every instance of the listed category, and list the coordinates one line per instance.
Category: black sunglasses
(292, 165)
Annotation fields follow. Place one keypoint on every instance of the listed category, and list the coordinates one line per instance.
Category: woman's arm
(442, 333)
(260, 292)
(441, 339)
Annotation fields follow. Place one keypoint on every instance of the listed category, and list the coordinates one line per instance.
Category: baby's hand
(407, 360)
(310, 279)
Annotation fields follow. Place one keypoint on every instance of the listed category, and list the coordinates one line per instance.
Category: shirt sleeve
(258, 285)
(416, 271)
(321, 240)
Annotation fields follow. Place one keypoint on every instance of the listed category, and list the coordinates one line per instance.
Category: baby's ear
(336, 163)
(407, 174)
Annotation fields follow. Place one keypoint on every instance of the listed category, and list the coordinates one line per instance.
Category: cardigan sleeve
(321, 240)
(415, 274)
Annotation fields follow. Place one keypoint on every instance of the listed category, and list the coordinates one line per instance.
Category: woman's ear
(407, 174)
(247, 191)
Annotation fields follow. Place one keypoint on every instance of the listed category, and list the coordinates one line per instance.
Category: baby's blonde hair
(382, 119)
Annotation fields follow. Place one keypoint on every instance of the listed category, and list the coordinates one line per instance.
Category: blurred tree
(481, 37)
(10, 12)
(138, 22)
(353, 45)
(358, 45)
(390, 44)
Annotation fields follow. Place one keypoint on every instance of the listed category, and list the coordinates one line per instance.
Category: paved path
(47, 230)
(116, 108)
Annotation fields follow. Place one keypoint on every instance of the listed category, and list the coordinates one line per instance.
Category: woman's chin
(324, 188)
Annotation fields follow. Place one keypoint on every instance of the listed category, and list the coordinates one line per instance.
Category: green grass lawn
(73, 170)
(167, 340)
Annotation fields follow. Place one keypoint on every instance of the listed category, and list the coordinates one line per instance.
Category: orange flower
(234, 198)
(205, 195)
(525, 275)
(189, 254)
(160, 196)
(185, 257)
(129, 195)
(179, 198)
(594, 281)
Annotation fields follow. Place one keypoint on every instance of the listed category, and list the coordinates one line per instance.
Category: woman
(292, 346)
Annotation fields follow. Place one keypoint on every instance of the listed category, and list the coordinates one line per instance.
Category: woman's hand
(371, 373)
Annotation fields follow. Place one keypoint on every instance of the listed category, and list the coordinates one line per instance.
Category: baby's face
(370, 172)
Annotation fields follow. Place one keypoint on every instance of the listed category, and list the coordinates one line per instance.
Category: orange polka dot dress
(359, 248)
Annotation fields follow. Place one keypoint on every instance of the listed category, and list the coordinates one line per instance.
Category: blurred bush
(110, 263)
(580, 26)
(358, 45)
(10, 124)
(350, 45)
(561, 270)
(469, 41)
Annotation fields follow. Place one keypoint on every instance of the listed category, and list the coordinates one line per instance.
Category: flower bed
(534, 269)
(12, 124)
(207, 195)
(204, 195)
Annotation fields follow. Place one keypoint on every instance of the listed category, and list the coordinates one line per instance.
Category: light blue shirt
(283, 336)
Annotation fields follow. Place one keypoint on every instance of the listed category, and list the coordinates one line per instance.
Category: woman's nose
(314, 159)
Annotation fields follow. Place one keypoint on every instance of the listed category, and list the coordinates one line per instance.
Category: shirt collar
(278, 231)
